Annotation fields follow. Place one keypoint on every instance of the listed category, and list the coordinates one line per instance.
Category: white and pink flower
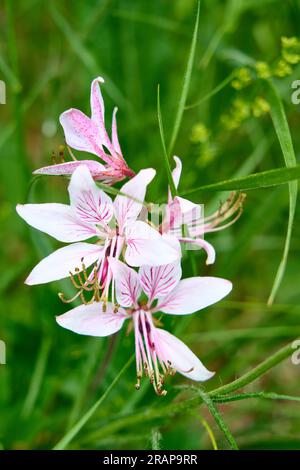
(90, 135)
(114, 226)
(181, 213)
(158, 352)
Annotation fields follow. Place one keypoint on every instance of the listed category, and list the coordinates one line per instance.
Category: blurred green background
(49, 53)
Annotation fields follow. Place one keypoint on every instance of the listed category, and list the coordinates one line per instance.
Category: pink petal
(97, 170)
(210, 251)
(57, 220)
(97, 103)
(145, 246)
(159, 281)
(97, 107)
(59, 264)
(181, 357)
(81, 133)
(193, 294)
(92, 321)
(114, 133)
(90, 203)
(128, 208)
(127, 283)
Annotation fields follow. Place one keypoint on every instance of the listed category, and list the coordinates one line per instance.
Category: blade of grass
(85, 378)
(151, 20)
(69, 436)
(37, 378)
(263, 179)
(284, 136)
(186, 85)
(10, 75)
(232, 13)
(14, 61)
(163, 142)
(213, 92)
(209, 432)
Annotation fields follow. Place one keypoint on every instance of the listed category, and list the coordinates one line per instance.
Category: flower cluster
(108, 239)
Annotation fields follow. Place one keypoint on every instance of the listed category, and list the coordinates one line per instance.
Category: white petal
(145, 246)
(181, 357)
(57, 220)
(199, 242)
(59, 264)
(176, 173)
(193, 294)
(92, 321)
(127, 283)
(89, 202)
(159, 281)
(128, 208)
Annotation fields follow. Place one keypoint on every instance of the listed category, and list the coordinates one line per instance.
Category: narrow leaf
(284, 136)
(186, 85)
(264, 179)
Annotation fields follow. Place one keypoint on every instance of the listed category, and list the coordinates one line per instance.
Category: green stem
(255, 373)
(218, 418)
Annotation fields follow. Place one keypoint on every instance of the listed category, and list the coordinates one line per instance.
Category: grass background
(49, 53)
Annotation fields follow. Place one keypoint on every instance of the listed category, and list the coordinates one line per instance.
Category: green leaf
(284, 136)
(186, 85)
(263, 179)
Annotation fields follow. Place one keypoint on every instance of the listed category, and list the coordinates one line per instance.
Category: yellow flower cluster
(289, 57)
